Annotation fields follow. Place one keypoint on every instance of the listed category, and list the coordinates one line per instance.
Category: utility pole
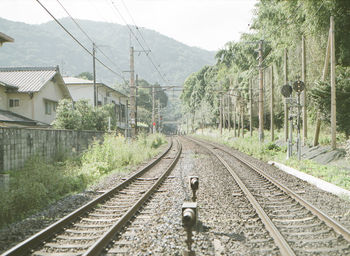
(285, 100)
(223, 112)
(153, 111)
(333, 88)
(261, 93)
(220, 113)
(132, 94)
(136, 89)
(242, 116)
(303, 78)
(229, 112)
(272, 106)
(251, 107)
(94, 72)
(234, 118)
(159, 111)
(324, 74)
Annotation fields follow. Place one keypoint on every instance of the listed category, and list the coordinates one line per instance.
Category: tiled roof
(69, 80)
(8, 116)
(27, 79)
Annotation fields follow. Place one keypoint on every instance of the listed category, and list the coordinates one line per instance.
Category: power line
(138, 41)
(77, 41)
(86, 34)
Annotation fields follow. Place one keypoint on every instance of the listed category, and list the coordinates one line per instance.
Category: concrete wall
(18, 144)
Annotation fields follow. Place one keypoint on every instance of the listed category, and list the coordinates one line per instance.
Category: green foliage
(83, 116)
(144, 101)
(39, 183)
(321, 96)
(281, 24)
(86, 75)
(272, 152)
(36, 185)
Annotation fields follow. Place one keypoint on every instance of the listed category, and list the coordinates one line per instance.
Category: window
(47, 107)
(50, 106)
(13, 103)
(105, 100)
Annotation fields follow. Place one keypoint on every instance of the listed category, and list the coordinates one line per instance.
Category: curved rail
(280, 241)
(38, 238)
(321, 215)
(108, 236)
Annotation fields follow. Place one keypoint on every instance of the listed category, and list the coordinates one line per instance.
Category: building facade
(32, 92)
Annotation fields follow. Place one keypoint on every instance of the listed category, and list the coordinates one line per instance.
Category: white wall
(3, 98)
(25, 107)
(52, 92)
(79, 92)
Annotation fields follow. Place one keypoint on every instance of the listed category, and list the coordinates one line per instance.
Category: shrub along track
(89, 229)
(297, 227)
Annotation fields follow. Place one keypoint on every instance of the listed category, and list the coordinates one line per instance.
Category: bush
(39, 183)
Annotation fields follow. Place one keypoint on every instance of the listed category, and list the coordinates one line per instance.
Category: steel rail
(336, 226)
(101, 243)
(281, 243)
(38, 238)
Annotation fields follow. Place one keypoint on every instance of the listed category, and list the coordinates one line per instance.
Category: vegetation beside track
(38, 183)
(270, 151)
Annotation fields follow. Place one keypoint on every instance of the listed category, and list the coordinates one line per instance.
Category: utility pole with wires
(132, 94)
(261, 93)
(153, 111)
(94, 72)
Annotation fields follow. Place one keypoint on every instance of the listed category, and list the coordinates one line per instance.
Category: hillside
(48, 44)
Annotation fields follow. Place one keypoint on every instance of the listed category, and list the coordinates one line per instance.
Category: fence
(18, 144)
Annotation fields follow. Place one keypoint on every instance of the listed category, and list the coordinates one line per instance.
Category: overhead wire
(86, 34)
(138, 41)
(77, 41)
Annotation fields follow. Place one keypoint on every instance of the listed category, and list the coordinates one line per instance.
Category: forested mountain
(49, 44)
(281, 27)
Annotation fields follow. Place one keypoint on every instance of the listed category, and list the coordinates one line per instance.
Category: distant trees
(86, 75)
(281, 24)
(82, 116)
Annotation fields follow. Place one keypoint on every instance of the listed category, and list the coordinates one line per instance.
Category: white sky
(207, 24)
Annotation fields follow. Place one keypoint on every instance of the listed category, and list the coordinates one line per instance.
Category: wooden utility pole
(242, 117)
(229, 112)
(220, 114)
(324, 75)
(333, 88)
(261, 93)
(223, 111)
(251, 107)
(285, 100)
(239, 117)
(303, 78)
(153, 111)
(94, 72)
(136, 93)
(272, 102)
(234, 118)
(159, 116)
(132, 94)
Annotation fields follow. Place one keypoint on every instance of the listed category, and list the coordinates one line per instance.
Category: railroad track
(297, 227)
(89, 229)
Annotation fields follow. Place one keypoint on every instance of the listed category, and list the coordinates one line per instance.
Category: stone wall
(18, 144)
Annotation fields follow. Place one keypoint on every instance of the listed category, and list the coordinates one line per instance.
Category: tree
(66, 117)
(321, 96)
(86, 75)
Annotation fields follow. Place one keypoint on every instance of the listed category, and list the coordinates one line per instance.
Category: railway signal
(287, 91)
(189, 221)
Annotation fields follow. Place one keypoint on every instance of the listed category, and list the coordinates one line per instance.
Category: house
(84, 89)
(31, 92)
(5, 39)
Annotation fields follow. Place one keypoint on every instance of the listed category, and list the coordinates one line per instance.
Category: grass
(270, 151)
(38, 183)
